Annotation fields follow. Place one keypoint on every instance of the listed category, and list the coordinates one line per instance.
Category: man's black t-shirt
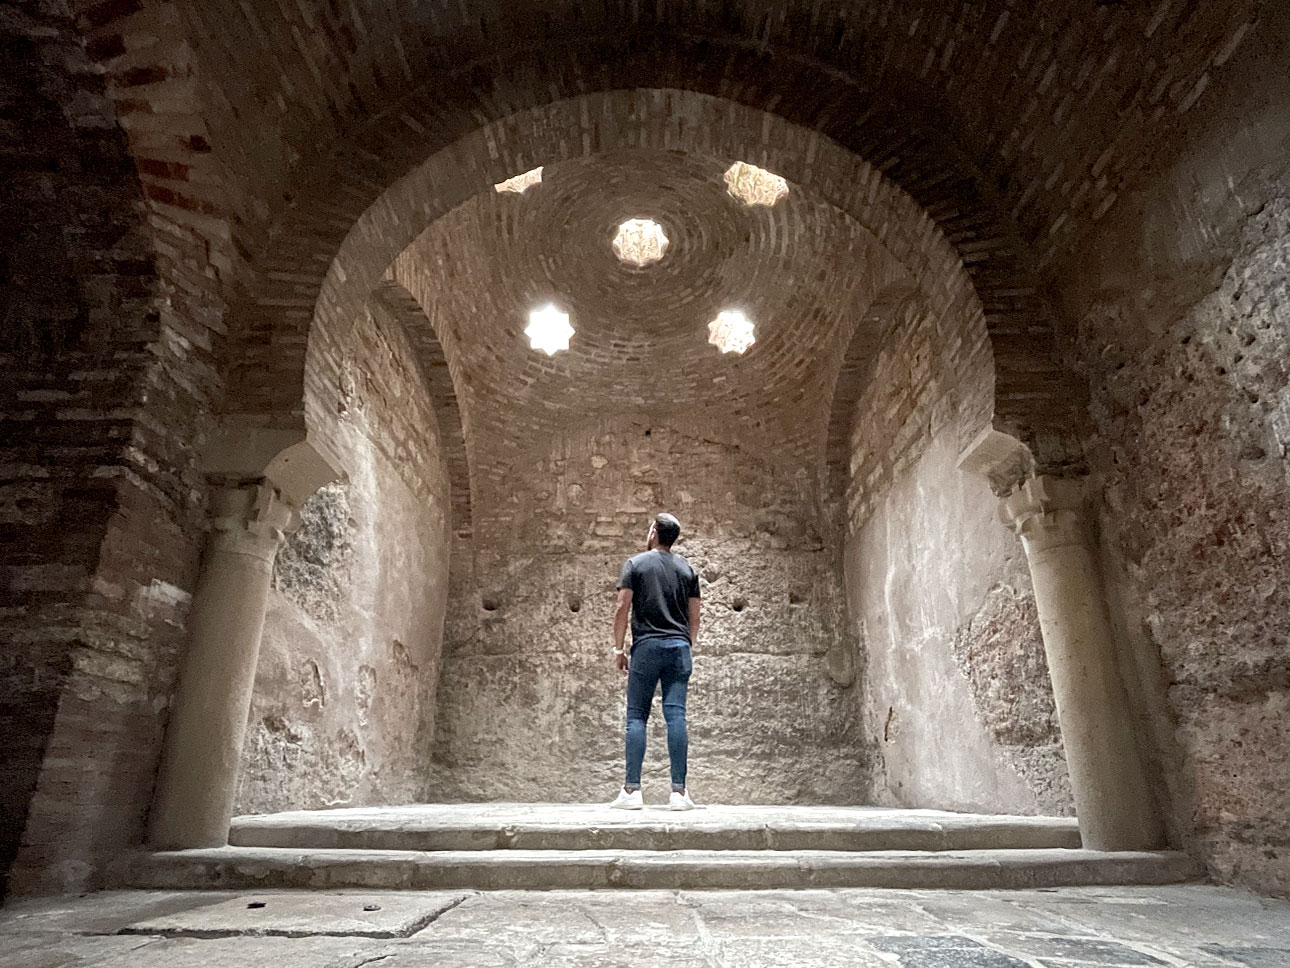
(662, 585)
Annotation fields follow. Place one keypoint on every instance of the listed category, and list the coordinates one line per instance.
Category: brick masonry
(181, 175)
(1178, 318)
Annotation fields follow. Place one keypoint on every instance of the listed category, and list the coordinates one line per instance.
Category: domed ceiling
(799, 270)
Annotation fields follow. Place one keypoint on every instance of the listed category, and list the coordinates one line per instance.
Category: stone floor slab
(106, 912)
(1082, 950)
(382, 915)
(1251, 957)
(152, 952)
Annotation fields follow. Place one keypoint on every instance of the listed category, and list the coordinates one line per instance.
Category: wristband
(620, 651)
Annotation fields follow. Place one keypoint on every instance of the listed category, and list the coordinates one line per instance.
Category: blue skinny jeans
(655, 662)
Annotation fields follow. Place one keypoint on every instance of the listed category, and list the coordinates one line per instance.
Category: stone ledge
(267, 867)
(456, 827)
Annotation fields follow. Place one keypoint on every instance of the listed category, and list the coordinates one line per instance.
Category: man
(660, 592)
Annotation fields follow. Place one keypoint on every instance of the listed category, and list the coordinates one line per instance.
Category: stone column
(1112, 800)
(198, 778)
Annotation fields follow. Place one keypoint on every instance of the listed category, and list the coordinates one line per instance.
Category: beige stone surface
(1184, 927)
(492, 826)
(551, 869)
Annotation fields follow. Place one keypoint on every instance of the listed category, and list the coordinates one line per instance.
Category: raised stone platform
(551, 846)
(575, 826)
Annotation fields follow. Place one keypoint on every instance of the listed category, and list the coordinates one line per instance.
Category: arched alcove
(568, 453)
(230, 181)
(956, 685)
(353, 632)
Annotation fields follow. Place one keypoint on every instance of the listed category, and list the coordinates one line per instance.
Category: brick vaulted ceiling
(801, 271)
(1015, 126)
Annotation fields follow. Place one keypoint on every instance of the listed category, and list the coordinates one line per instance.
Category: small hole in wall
(490, 603)
(739, 603)
(648, 432)
(796, 596)
(575, 604)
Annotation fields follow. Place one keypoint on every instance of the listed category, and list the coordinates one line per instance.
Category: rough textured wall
(354, 628)
(530, 705)
(104, 388)
(958, 694)
(1192, 415)
(1179, 316)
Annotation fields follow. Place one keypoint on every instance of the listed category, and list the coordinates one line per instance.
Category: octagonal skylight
(521, 182)
(753, 185)
(731, 332)
(640, 242)
(549, 330)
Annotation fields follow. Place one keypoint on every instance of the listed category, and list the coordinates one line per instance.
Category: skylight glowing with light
(520, 183)
(753, 185)
(731, 332)
(640, 242)
(549, 330)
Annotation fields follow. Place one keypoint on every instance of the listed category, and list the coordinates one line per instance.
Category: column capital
(286, 458)
(1003, 460)
(251, 519)
(1047, 512)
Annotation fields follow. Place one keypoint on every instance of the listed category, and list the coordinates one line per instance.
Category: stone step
(580, 827)
(261, 868)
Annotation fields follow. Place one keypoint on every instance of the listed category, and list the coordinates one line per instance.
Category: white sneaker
(681, 801)
(628, 801)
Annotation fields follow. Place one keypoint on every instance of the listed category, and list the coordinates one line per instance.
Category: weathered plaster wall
(353, 633)
(1179, 316)
(530, 705)
(958, 691)
(958, 695)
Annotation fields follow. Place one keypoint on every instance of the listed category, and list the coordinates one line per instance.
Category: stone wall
(1179, 318)
(354, 629)
(530, 705)
(958, 696)
(104, 388)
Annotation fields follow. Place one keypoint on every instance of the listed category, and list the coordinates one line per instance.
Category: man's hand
(622, 615)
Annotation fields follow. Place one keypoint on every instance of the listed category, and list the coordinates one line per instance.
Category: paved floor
(1193, 926)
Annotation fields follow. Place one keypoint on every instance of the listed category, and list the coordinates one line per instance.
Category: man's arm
(694, 622)
(621, 616)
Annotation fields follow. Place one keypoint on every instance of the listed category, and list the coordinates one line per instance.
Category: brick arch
(393, 299)
(672, 120)
(887, 311)
(958, 104)
(900, 384)
(944, 192)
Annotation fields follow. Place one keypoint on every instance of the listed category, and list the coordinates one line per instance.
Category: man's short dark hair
(668, 529)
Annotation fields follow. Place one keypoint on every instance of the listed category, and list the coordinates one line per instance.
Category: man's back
(662, 585)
